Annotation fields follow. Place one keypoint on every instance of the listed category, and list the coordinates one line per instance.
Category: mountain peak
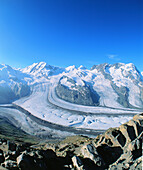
(42, 69)
(5, 66)
(71, 68)
(130, 66)
(99, 66)
(42, 64)
(36, 67)
(82, 67)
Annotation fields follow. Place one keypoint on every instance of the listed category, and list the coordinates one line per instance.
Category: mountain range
(118, 85)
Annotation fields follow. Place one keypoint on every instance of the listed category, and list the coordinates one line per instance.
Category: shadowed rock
(77, 94)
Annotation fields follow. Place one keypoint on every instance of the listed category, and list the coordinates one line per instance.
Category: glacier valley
(55, 102)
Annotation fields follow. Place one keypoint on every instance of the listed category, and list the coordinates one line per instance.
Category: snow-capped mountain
(42, 69)
(119, 85)
(13, 84)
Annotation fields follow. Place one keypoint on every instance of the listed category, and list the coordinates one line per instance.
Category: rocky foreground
(117, 148)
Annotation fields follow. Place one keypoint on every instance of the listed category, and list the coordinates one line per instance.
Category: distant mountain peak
(2, 66)
(42, 63)
(36, 67)
(71, 68)
(42, 69)
(82, 67)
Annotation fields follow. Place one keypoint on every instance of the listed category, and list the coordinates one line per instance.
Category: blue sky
(71, 32)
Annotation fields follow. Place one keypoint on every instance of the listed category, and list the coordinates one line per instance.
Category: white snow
(71, 68)
(121, 78)
(67, 83)
(42, 69)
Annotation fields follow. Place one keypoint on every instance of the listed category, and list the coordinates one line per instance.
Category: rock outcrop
(68, 90)
(117, 148)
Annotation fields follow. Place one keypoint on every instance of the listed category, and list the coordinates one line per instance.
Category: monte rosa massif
(42, 99)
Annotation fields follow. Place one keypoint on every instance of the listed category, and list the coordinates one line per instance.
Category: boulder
(9, 164)
(24, 162)
(131, 156)
(77, 163)
(89, 151)
(11, 155)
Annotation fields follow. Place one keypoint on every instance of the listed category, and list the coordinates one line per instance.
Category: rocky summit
(117, 148)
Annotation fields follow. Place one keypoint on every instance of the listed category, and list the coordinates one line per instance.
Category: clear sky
(71, 32)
